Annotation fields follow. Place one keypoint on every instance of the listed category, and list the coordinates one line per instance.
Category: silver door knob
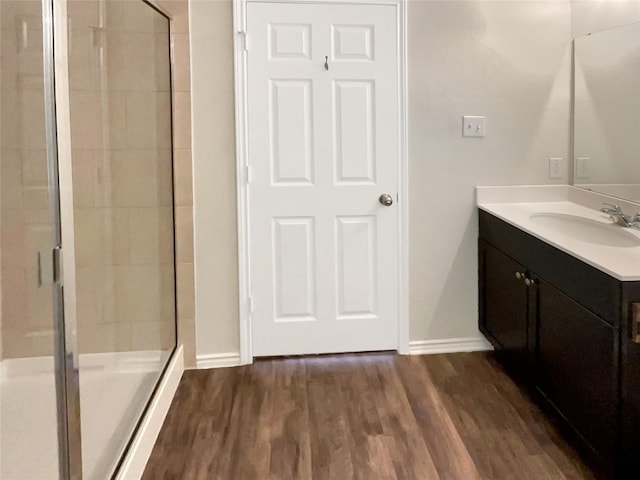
(386, 199)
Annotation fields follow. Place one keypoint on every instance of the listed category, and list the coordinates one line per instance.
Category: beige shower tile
(30, 119)
(148, 120)
(14, 298)
(86, 120)
(116, 236)
(10, 131)
(117, 120)
(104, 194)
(39, 302)
(138, 17)
(10, 176)
(12, 239)
(83, 66)
(162, 64)
(36, 216)
(84, 173)
(183, 177)
(167, 236)
(168, 289)
(152, 336)
(187, 337)
(134, 178)
(181, 63)
(35, 198)
(185, 291)
(89, 294)
(34, 168)
(130, 59)
(182, 120)
(165, 177)
(89, 237)
(145, 235)
(104, 338)
(137, 292)
(83, 14)
(184, 234)
(114, 15)
(179, 12)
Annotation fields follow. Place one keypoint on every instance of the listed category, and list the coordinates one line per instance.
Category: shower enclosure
(87, 264)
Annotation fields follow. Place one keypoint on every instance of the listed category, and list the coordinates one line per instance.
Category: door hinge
(245, 41)
(247, 174)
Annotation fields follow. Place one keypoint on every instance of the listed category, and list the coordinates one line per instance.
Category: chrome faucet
(619, 217)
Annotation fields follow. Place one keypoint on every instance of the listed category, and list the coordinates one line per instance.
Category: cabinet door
(630, 425)
(503, 306)
(576, 367)
(630, 381)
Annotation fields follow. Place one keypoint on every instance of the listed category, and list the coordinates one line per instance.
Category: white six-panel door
(323, 147)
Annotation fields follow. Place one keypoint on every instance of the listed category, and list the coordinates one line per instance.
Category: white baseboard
(136, 459)
(449, 345)
(218, 360)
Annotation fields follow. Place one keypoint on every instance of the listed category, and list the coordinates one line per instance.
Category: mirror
(606, 131)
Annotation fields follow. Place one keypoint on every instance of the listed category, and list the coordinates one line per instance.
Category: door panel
(323, 146)
(353, 106)
(291, 133)
(295, 272)
(356, 247)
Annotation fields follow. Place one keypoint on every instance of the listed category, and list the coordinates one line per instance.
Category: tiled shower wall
(110, 201)
(121, 152)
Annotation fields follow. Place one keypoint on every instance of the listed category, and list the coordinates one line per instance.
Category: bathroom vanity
(557, 288)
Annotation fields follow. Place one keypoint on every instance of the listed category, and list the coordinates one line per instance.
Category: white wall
(214, 195)
(509, 61)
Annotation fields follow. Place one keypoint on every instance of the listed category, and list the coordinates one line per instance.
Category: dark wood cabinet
(630, 386)
(504, 305)
(576, 367)
(564, 331)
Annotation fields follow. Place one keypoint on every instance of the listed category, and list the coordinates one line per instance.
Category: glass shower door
(35, 424)
(121, 140)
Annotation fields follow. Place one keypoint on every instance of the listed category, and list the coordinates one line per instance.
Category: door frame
(240, 44)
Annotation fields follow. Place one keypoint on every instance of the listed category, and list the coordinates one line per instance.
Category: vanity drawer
(593, 289)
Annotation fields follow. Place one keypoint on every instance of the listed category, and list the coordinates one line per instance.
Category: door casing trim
(242, 159)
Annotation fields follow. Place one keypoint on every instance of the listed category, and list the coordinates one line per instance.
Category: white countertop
(516, 206)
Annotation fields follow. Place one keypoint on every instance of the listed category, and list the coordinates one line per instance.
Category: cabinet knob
(519, 275)
(528, 282)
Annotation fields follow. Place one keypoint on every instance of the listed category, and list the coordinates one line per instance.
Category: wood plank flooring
(366, 417)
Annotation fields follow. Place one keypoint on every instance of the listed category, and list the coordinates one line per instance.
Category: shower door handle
(49, 266)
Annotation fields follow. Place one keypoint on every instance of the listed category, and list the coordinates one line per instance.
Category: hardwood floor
(367, 416)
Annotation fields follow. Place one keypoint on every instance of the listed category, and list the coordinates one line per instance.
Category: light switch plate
(555, 167)
(473, 126)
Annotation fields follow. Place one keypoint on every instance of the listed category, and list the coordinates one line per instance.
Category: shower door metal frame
(57, 119)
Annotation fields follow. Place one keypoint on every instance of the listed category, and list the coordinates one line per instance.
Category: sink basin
(587, 230)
